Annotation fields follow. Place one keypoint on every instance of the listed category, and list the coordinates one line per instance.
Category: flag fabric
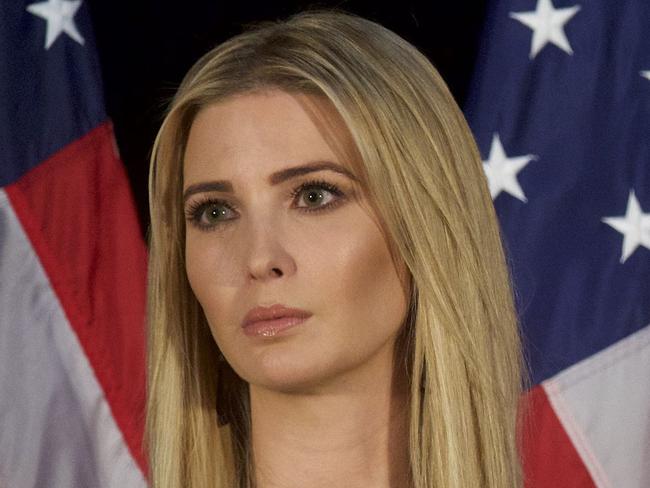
(72, 263)
(560, 107)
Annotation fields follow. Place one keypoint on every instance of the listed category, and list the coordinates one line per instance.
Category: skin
(328, 403)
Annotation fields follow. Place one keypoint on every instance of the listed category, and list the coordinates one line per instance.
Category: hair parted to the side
(423, 174)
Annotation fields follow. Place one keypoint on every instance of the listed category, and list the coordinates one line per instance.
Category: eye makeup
(204, 213)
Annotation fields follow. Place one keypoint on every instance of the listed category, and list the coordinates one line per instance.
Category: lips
(276, 311)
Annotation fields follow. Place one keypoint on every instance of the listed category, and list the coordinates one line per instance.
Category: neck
(352, 433)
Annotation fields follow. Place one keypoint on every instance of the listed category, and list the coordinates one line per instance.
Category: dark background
(145, 48)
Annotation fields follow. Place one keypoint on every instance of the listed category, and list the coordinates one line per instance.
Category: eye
(313, 195)
(210, 213)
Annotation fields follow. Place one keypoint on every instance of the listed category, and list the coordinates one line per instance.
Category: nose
(267, 255)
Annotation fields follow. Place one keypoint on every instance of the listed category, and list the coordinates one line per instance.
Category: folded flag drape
(72, 263)
(560, 107)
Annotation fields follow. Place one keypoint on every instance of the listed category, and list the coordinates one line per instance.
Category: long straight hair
(422, 170)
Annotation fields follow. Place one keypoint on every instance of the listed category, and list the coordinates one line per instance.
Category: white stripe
(56, 428)
(603, 403)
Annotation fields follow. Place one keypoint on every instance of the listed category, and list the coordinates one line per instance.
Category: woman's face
(307, 242)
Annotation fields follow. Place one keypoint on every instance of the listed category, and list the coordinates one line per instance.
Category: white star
(59, 15)
(501, 171)
(645, 74)
(635, 227)
(547, 24)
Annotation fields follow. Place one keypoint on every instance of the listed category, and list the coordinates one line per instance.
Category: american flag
(560, 107)
(72, 263)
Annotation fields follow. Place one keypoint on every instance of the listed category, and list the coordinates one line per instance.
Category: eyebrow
(276, 178)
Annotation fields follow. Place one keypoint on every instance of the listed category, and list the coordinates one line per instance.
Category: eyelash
(196, 209)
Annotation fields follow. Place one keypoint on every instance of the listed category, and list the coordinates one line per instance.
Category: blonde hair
(423, 173)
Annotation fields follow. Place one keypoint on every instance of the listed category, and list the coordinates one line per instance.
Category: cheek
(197, 269)
(210, 277)
(211, 262)
(367, 287)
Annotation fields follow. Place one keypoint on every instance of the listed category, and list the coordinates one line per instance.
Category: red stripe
(78, 212)
(548, 455)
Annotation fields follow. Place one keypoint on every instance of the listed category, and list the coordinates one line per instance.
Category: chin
(289, 376)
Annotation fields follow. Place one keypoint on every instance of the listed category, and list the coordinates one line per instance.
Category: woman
(319, 169)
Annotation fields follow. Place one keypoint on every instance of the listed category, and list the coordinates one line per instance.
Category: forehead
(266, 131)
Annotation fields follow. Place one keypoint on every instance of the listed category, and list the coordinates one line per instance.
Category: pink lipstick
(270, 321)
